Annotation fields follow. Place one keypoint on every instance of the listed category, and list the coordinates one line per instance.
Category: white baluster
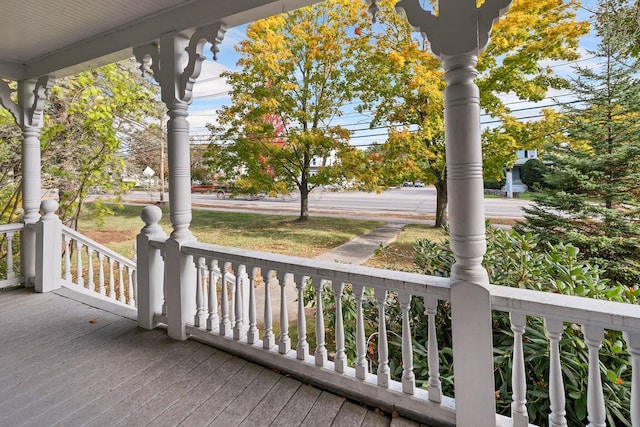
(101, 287)
(321, 349)
(233, 282)
(163, 254)
(199, 317)
(241, 280)
(131, 287)
(112, 283)
(340, 359)
(214, 277)
(10, 271)
(519, 413)
(633, 344)
(253, 333)
(79, 275)
(284, 342)
(302, 348)
(67, 257)
(383, 348)
(224, 302)
(435, 386)
(593, 336)
(268, 340)
(90, 283)
(556, 383)
(121, 296)
(361, 341)
(408, 377)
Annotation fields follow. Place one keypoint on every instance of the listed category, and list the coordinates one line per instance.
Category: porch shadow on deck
(69, 359)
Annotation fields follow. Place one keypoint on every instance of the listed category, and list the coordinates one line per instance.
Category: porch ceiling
(67, 36)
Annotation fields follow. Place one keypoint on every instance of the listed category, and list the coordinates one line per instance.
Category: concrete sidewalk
(360, 249)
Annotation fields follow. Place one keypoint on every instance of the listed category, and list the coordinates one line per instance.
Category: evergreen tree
(591, 196)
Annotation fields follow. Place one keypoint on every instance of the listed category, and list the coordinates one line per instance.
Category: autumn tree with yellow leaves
(297, 71)
(406, 89)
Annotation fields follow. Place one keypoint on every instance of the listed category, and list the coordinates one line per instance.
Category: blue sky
(211, 91)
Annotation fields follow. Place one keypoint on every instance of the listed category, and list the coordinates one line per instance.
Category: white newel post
(457, 35)
(27, 113)
(175, 61)
(150, 268)
(48, 254)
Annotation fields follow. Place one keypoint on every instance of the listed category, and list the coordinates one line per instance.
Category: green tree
(87, 118)
(532, 172)
(591, 196)
(297, 72)
(406, 87)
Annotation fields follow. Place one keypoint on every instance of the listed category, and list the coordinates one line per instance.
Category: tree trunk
(441, 203)
(304, 202)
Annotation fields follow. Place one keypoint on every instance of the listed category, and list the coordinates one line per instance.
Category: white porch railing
(229, 305)
(595, 317)
(10, 275)
(92, 266)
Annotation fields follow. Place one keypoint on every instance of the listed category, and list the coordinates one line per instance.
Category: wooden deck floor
(66, 363)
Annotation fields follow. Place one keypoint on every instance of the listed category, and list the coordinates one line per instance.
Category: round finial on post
(151, 215)
(48, 208)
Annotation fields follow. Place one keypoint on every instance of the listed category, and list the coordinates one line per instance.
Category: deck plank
(242, 405)
(268, 409)
(324, 410)
(296, 410)
(59, 369)
(349, 415)
(169, 396)
(374, 419)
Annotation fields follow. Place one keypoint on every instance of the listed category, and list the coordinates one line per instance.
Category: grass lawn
(270, 233)
(399, 254)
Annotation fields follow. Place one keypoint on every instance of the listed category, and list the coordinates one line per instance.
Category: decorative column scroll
(457, 35)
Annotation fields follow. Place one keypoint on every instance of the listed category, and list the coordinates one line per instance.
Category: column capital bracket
(148, 55)
(32, 94)
(460, 27)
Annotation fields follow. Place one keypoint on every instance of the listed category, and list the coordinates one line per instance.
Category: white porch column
(175, 61)
(457, 35)
(27, 113)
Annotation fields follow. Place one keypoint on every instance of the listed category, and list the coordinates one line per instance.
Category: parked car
(204, 187)
(418, 184)
(407, 184)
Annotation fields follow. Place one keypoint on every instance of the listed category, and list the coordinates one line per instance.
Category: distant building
(514, 183)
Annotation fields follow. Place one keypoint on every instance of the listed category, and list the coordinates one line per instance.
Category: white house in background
(514, 182)
(317, 162)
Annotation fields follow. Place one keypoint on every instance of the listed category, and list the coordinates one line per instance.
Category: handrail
(16, 226)
(412, 283)
(98, 247)
(567, 308)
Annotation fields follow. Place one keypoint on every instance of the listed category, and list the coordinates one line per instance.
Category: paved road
(397, 201)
